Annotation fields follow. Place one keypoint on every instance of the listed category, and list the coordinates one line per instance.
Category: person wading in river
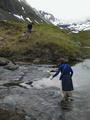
(66, 78)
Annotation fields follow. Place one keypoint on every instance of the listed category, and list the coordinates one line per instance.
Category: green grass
(46, 42)
(83, 39)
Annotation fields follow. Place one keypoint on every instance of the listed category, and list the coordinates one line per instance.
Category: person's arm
(57, 72)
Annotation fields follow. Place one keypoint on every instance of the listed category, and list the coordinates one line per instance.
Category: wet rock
(30, 83)
(11, 84)
(30, 118)
(3, 61)
(36, 61)
(53, 71)
(11, 66)
(10, 115)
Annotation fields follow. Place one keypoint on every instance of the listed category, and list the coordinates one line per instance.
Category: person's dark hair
(63, 60)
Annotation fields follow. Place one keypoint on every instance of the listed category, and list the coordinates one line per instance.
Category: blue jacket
(65, 69)
(66, 76)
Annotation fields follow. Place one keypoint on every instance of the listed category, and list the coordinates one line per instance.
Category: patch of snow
(36, 21)
(75, 31)
(28, 19)
(80, 27)
(22, 8)
(19, 16)
(41, 20)
(55, 22)
(88, 28)
(47, 16)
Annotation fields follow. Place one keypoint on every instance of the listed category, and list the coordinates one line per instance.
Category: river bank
(30, 94)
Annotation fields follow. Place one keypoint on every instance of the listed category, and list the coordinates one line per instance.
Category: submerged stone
(10, 115)
(11, 66)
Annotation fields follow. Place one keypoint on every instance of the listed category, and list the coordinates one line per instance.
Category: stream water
(81, 77)
(30, 94)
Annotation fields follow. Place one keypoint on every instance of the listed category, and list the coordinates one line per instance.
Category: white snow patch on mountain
(73, 27)
(28, 19)
(36, 21)
(22, 8)
(80, 27)
(19, 16)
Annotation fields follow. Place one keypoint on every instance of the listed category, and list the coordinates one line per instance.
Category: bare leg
(65, 95)
(69, 93)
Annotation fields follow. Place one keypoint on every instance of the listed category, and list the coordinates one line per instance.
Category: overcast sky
(66, 10)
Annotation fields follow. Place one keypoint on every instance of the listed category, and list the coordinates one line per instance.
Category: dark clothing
(67, 84)
(29, 28)
(66, 76)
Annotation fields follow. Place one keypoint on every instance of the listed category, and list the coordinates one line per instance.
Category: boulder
(36, 61)
(11, 66)
(3, 61)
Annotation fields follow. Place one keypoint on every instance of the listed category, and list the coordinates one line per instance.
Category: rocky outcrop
(3, 61)
(8, 64)
(11, 66)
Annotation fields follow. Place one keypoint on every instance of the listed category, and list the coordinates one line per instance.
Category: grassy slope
(83, 39)
(47, 42)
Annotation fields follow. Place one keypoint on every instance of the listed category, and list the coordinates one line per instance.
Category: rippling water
(80, 107)
(81, 77)
(42, 100)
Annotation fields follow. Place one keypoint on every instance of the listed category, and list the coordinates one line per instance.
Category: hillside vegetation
(83, 40)
(46, 44)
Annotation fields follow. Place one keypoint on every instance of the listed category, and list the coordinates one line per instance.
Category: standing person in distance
(29, 27)
(29, 30)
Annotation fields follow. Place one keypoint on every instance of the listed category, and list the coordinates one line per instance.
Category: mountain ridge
(19, 10)
(73, 27)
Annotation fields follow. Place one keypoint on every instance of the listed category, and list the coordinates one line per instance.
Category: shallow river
(30, 94)
(81, 77)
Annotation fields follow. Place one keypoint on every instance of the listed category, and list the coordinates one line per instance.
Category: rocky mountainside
(74, 27)
(19, 10)
(50, 17)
